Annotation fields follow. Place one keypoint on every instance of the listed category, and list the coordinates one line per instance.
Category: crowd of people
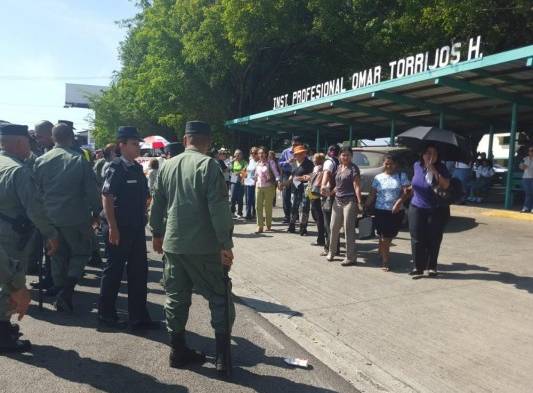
(52, 193)
(328, 187)
(55, 194)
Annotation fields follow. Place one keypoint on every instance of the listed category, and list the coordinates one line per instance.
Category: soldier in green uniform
(20, 209)
(191, 194)
(72, 202)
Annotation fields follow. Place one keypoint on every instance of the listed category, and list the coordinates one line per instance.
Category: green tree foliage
(215, 60)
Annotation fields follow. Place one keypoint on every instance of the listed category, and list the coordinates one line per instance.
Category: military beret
(13, 129)
(128, 132)
(67, 122)
(174, 148)
(197, 128)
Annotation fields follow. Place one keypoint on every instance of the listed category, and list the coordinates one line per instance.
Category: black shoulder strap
(7, 219)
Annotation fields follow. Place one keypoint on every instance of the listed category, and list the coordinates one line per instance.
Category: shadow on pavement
(460, 224)
(267, 307)
(451, 272)
(246, 354)
(103, 376)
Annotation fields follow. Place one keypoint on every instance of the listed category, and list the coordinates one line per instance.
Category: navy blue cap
(128, 132)
(174, 148)
(67, 122)
(13, 129)
(196, 127)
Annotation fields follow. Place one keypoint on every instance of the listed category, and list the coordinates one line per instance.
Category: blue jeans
(527, 185)
(236, 197)
(286, 195)
(463, 175)
(250, 201)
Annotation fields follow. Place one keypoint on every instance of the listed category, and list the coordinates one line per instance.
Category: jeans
(343, 215)
(236, 197)
(527, 184)
(463, 175)
(427, 227)
(286, 196)
(299, 199)
(250, 201)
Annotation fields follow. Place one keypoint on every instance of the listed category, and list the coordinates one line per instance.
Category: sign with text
(407, 66)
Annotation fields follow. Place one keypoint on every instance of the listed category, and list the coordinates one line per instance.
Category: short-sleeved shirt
(125, 181)
(424, 197)
(528, 173)
(389, 189)
(344, 181)
(250, 173)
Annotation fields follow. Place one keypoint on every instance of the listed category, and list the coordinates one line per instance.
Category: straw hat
(300, 149)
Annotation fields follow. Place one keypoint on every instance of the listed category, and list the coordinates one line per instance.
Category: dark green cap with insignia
(174, 148)
(67, 122)
(13, 129)
(128, 132)
(197, 128)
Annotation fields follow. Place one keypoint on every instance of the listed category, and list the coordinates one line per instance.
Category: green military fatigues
(191, 194)
(70, 197)
(19, 197)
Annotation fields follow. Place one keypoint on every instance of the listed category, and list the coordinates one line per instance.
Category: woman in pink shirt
(266, 177)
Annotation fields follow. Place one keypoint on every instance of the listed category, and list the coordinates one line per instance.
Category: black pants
(286, 196)
(318, 216)
(426, 227)
(131, 252)
(327, 205)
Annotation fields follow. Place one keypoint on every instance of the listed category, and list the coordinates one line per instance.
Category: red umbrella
(154, 142)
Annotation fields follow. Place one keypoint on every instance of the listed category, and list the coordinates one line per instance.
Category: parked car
(370, 162)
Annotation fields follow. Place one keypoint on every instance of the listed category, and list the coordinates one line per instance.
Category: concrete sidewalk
(469, 330)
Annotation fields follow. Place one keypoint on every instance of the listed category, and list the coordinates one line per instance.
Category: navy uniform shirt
(125, 181)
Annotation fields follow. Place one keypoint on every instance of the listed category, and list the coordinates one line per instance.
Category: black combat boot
(180, 354)
(14, 330)
(221, 361)
(10, 343)
(64, 298)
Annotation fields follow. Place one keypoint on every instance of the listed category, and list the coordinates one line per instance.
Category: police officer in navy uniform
(124, 196)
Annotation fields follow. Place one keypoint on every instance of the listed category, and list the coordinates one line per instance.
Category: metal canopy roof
(468, 97)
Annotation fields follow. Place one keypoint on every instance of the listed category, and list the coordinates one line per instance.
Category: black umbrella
(451, 146)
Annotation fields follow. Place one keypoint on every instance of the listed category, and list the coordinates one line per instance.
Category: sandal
(259, 230)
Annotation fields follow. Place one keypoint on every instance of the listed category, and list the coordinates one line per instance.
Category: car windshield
(367, 159)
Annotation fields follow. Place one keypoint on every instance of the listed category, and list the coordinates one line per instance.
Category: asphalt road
(70, 355)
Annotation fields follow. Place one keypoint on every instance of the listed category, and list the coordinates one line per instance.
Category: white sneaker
(524, 210)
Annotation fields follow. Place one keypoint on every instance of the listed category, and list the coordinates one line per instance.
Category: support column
(512, 143)
(351, 136)
(490, 154)
(392, 132)
(271, 142)
(441, 120)
(318, 140)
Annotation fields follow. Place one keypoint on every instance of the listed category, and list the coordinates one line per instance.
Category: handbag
(366, 227)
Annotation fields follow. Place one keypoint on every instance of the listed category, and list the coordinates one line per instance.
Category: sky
(47, 43)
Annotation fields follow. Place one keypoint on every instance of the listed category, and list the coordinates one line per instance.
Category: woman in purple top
(427, 214)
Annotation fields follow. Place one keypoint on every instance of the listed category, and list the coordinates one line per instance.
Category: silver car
(370, 161)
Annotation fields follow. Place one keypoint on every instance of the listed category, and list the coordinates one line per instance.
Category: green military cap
(67, 122)
(197, 127)
(174, 148)
(13, 129)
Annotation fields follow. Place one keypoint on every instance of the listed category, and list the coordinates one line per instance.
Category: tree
(216, 60)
